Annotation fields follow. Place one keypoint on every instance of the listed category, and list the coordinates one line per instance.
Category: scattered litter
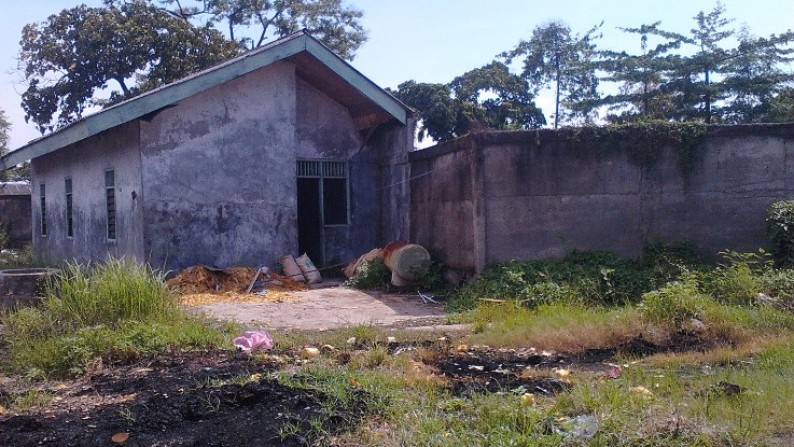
(641, 390)
(351, 340)
(391, 340)
(327, 348)
(253, 340)
(120, 438)
(561, 372)
(527, 399)
(427, 298)
(476, 367)
(309, 352)
(463, 348)
(582, 428)
(200, 279)
(614, 371)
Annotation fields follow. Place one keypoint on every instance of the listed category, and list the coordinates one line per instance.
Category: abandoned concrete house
(284, 149)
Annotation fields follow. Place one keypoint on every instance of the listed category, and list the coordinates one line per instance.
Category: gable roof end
(156, 99)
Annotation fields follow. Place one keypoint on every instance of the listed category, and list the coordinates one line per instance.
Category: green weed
(113, 312)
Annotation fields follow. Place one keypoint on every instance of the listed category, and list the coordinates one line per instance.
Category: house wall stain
(85, 163)
(530, 201)
(219, 174)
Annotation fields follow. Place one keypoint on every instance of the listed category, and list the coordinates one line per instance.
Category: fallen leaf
(120, 438)
(463, 348)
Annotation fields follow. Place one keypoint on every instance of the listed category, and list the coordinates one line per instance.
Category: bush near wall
(780, 221)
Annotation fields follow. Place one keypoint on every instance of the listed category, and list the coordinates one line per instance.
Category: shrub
(596, 277)
(738, 281)
(780, 225)
(372, 275)
(675, 303)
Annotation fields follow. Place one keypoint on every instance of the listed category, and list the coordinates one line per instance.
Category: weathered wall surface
(538, 195)
(219, 174)
(392, 144)
(442, 203)
(15, 213)
(325, 130)
(85, 163)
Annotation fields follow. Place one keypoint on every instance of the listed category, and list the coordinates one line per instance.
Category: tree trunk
(708, 97)
(557, 99)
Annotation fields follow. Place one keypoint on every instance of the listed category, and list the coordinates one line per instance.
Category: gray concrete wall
(85, 163)
(540, 195)
(219, 174)
(392, 144)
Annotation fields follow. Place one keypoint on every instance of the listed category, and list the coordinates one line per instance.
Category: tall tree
(255, 22)
(81, 50)
(487, 97)
(5, 127)
(640, 78)
(719, 81)
(554, 55)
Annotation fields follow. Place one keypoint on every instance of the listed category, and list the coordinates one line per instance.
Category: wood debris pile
(200, 279)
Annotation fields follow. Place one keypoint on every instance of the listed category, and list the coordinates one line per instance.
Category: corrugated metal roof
(156, 99)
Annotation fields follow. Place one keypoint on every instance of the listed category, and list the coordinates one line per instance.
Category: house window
(43, 202)
(331, 177)
(110, 202)
(69, 221)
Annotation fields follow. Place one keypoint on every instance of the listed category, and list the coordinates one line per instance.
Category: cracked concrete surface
(330, 308)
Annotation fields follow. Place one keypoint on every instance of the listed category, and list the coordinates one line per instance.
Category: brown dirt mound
(200, 279)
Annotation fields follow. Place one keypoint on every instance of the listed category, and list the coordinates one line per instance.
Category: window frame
(327, 169)
(43, 209)
(111, 209)
(68, 186)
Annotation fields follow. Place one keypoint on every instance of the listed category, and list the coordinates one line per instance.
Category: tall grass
(108, 293)
(116, 311)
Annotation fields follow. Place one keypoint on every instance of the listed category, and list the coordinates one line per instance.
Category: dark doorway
(310, 223)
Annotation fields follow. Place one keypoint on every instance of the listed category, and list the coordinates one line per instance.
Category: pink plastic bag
(253, 340)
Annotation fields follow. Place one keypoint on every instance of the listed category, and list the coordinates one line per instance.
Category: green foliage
(554, 54)
(675, 303)
(90, 47)
(486, 97)
(698, 76)
(331, 21)
(589, 277)
(643, 141)
(3, 236)
(108, 293)
(738, 280)
(116, 311)
(372, 275)
(780, 225)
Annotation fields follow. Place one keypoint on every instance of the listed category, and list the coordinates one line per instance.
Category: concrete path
(330, 308)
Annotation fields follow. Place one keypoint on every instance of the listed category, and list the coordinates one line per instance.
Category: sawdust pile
(200, 279)
(200, 299)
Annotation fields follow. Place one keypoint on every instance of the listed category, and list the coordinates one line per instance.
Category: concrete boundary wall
(496, 196)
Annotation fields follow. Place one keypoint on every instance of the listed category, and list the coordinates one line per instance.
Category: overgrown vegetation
(597, 278)
(780, 221)
(107, 312)
(374, 275)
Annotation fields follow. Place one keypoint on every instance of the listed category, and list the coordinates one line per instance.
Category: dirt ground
(222, 398)
(329, 308)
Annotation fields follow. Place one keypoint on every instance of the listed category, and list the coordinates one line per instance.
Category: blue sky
(436, 40)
